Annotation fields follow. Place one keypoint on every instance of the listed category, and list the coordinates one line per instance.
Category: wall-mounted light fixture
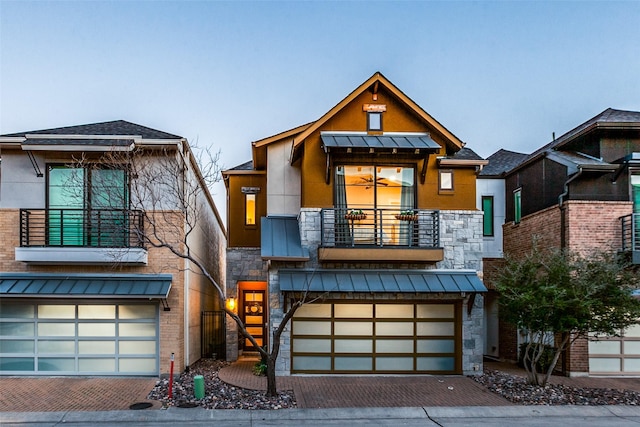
(231, 304)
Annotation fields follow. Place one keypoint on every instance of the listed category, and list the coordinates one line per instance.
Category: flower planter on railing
(407, 217)
(354, 217)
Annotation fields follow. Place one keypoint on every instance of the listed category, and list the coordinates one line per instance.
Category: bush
(260, 369)
(545, 360)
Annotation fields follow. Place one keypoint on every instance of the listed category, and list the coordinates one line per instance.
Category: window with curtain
(381, 193)
(87, 206)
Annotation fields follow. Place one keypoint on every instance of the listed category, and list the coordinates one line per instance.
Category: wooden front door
(254, 317)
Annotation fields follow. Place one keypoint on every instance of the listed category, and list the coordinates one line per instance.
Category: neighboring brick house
(80, 293)
(372, 210)
(582, 192)
(491, 200)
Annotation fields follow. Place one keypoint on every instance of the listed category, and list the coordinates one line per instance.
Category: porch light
(231, 304)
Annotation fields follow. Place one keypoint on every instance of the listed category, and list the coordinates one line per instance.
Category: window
(381, 193)
(446, 180)
(374, 121)
(87, 206)
(487, 223)
(250, 209)
(517, 205)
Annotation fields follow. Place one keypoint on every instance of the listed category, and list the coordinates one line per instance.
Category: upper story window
(250, 209)
(87, 206)
(634, 179)
(368, 186)
(445, 180)
(517, 205)
(374, 121)
(487, 222)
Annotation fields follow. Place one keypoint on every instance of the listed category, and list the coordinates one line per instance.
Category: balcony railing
(102, 228)
(630, 232)
(380, 227)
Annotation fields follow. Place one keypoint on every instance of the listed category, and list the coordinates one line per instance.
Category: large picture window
(380, 194)
(87, 206)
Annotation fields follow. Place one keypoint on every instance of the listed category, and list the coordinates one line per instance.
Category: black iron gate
(213, 335)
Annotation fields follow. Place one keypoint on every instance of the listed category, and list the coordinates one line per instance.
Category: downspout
(563, 226)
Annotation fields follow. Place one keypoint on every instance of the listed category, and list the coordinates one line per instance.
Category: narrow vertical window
(446, 180)
(517, 205)
(487, 209)
(250, 209)
(374, 121)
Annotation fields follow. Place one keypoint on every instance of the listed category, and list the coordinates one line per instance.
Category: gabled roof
(377, 79)
(116, 127)
(608, 119)
(501, 162)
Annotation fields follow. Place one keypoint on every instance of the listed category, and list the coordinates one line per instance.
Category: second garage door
(380, 337)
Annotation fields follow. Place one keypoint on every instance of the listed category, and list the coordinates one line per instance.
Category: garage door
(616, 355)
(376, 338)
(78, 339)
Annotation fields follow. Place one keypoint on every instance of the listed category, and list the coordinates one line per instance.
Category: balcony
(80, 236)
(380, 235)
(631, 236)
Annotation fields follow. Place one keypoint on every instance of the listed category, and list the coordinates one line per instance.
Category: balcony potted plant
(355, 214)
(407, 215)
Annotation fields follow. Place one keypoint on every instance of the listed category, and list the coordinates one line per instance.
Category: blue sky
(499, 74)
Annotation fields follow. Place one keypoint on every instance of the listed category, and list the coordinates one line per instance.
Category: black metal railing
(380, 227)
(213, 335)
(630, 232)
(105, 228)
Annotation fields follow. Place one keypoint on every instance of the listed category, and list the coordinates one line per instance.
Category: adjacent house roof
(116, 127)
(280, 239)
(608, 119)
(500, 162)
(42, 285)
(399, 281)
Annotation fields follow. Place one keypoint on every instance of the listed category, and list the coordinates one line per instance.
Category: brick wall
(589, 226)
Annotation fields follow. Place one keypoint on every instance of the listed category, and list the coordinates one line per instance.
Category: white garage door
(364, 337)
(616, 355)
(78, 339)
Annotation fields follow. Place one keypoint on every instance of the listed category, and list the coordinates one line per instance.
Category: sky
(498, 74)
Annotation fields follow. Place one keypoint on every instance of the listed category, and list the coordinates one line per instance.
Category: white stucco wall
(492, 187)
(283, 181)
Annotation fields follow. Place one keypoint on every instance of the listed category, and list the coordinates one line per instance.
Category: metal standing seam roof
(280, 239)
(400, 281)
(39, 285)
(409, 142)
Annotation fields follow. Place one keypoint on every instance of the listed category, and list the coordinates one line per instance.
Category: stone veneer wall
(461, 236)
(243, 264)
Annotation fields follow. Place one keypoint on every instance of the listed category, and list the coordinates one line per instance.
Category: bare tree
(168, 187)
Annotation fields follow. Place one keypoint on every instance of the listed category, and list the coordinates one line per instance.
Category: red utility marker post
(171, 378)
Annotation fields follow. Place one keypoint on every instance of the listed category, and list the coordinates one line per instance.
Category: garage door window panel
(15, 364)
(354, 346)
(16, 346)
(351, 364)
(304, 345)
(435, 346)
(394, 364)
(56, 347)
(436, 363)
(56, 311)
(312, 363)
(51, 364)
(394, 311)
(435, 328)
(394, 329)
(394, 346)
(96, 347)
(302, 327)
(354, 328)
(55, 329)
(97, 312)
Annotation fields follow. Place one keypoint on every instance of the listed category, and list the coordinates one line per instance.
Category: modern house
(85, 288)
(582, 192)
(490, 198)
(368, 214)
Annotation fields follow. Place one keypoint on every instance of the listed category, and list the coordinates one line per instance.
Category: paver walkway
(26, 394)
(328, 391)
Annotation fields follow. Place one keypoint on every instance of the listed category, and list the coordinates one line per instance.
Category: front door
(254, 312)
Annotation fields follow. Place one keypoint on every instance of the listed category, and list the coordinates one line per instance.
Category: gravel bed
(517, 390)
(217, 394)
